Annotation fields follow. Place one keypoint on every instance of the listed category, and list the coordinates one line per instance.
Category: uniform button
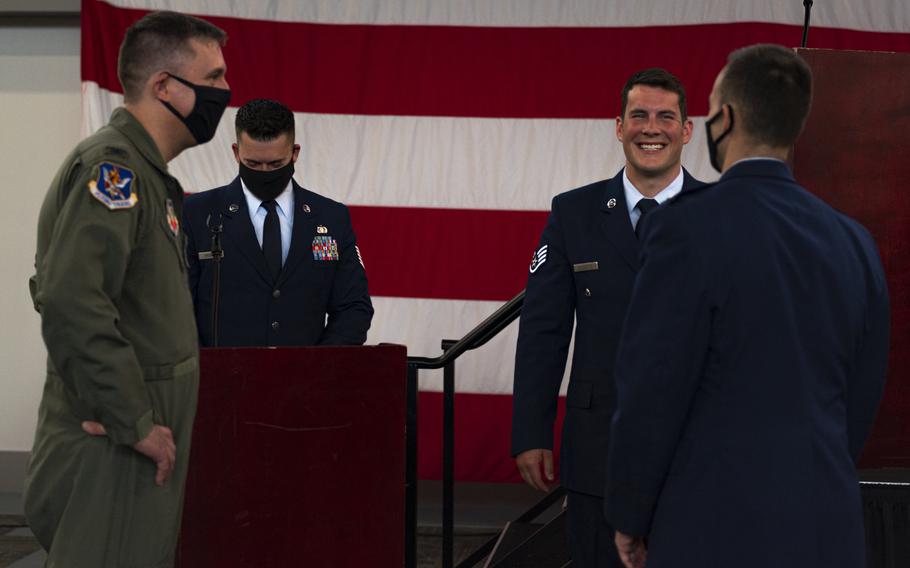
(588, 292)
(275, 325)
(276, 293)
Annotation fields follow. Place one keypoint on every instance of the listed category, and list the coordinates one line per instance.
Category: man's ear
(726, 109)
(296, 152)
(160, 85)
(619, 128)
(236, 150)
(687, 130)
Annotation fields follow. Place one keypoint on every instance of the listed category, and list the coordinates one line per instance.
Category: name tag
(585, 266)
(207, 255)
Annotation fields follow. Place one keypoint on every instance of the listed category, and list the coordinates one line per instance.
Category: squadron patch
(172, 222)
(325, 248)
(114, 186)
(539, 258)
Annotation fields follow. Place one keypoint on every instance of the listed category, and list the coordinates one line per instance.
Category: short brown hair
(771, 88)
(656, 77)
(159, 41)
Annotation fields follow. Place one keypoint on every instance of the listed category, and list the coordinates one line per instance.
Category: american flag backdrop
(448, 125)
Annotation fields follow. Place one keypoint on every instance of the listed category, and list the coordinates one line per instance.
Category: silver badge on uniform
(322, 229)
(233, 208)
(539, 258)
(612, 203)
(306, 208)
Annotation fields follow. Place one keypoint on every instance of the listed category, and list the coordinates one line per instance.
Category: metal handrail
(477, 337)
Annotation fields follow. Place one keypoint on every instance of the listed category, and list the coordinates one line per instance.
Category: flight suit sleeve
(349, 310)
(544, 333)
(867, 379)
(81, 277)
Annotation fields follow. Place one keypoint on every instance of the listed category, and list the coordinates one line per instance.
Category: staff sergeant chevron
(539, 258)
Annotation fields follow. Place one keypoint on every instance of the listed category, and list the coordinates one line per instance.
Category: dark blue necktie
(644, 206)
(271, 239)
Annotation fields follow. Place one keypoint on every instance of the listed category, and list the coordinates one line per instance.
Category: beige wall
(39, 123)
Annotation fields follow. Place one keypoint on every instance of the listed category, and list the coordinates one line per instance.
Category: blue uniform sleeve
(544, 333)
(192, 254)
(867, 380)
(350, 310)
(659, 362)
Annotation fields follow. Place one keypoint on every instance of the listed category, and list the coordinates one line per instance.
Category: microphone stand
(217, 255)
(808, 5)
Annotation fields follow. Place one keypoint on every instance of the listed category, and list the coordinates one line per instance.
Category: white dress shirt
(633, 196)
(285, 209)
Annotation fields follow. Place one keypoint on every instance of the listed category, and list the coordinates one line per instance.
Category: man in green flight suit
(105, 481)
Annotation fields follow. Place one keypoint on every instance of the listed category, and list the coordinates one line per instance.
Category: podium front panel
(855, 154)
(297, 459)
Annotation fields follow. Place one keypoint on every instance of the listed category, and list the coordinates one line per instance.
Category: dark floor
(19, 549)
(429, 546)
(481, 510)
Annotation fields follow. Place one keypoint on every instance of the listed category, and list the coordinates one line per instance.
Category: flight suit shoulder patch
(114, 186)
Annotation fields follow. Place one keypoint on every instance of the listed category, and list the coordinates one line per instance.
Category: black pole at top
(808, 5)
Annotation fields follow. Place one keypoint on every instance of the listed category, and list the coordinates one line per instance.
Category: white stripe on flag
(488, 370)
(872, 15)
(441, 162)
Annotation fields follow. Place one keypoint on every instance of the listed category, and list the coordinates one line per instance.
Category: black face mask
(202, 122)
(712, 143)
(267, 185)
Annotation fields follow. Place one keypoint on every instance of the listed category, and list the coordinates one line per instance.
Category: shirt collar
(633, 196)
(755, 158)
(285, 199)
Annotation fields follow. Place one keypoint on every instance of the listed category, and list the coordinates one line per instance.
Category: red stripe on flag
(457, 254)
(461, 70)
(483, 429)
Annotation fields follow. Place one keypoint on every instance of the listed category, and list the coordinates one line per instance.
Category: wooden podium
(855, 154)
(298, 459)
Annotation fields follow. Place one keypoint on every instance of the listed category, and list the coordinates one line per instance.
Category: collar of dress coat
(754, 158)
(633, 196)
(285, 200)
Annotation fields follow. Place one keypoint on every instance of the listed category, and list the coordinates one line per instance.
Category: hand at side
(631, 550)
(536, 468)
(158, 446)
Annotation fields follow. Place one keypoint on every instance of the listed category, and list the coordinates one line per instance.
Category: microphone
(217, 254)
(808, 6)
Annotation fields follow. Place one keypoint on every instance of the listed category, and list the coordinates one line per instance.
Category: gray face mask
(202, 122)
